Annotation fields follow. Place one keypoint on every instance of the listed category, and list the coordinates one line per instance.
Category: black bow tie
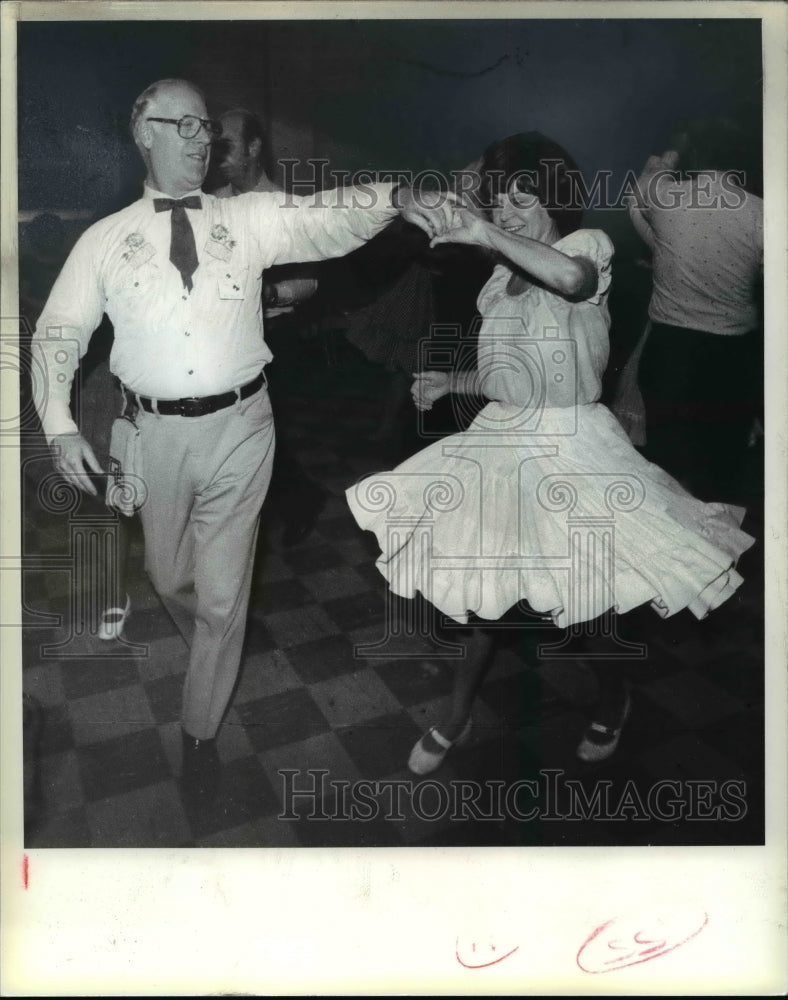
(166, 204)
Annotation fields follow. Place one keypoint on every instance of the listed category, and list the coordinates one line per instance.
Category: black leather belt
(198, 406)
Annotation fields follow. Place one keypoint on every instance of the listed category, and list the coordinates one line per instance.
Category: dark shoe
(200, 770)
(301, 522)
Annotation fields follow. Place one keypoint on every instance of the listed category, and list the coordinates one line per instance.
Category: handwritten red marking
(481, 965)
(672, 929)
(25, 870)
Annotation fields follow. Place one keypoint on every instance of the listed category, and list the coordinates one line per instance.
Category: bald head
(154, 100)
(176, 164)
(151, 101)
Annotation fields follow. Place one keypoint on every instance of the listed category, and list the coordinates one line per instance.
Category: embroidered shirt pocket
(136, 282)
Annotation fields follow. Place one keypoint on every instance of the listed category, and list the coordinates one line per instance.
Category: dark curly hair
(536, 165)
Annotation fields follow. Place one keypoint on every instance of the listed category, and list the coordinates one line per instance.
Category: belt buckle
(191, 406)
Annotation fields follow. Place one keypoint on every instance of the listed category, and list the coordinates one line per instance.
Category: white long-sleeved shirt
(171, 343)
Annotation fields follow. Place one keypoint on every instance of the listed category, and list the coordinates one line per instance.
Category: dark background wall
(383, 94)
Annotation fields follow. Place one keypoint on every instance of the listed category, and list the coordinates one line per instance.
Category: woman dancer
(495, 515)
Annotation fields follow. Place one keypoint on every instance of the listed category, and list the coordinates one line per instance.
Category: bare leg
(469, 674)
(428, 753)
(613, 687)
(601, 737)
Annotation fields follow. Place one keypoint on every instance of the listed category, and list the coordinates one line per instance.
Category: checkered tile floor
(107, 758)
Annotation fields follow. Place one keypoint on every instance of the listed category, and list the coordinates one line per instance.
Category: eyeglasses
(190, 125)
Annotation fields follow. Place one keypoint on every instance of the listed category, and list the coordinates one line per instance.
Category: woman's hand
(429, 210)
(466, 226)
(429, 386)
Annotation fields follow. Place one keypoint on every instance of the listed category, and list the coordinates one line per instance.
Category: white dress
(543, 499)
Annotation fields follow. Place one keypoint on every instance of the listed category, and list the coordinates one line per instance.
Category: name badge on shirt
(218, 250)
(141, 256)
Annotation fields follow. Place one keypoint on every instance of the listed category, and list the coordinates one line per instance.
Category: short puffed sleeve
(597, 247)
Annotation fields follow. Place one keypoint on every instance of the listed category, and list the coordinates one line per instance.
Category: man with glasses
(179, 273)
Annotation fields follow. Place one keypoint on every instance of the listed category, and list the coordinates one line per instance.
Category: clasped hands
(428, 387)
(442, 215)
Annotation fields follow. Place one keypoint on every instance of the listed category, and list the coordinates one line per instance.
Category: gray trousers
(206, 479)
